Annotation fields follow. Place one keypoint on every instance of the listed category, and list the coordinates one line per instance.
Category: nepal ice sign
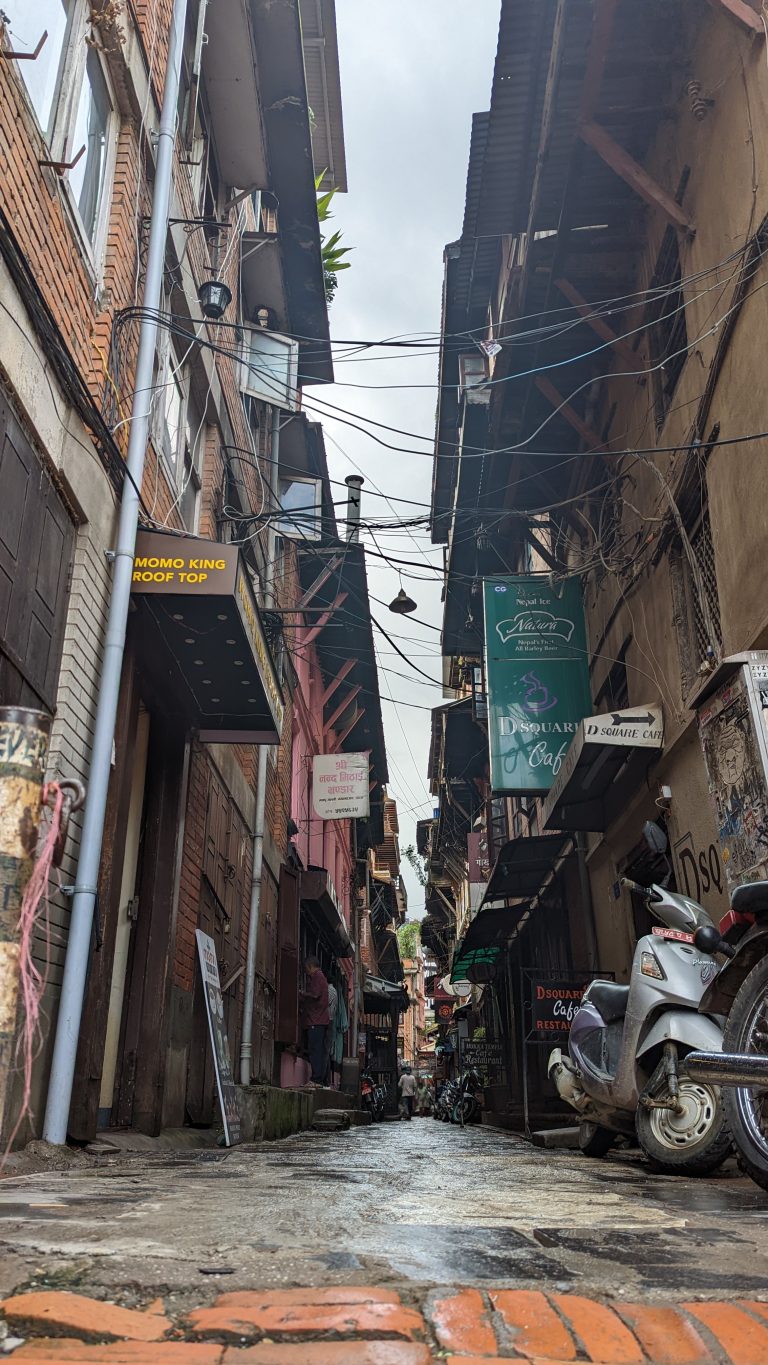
(537, 676)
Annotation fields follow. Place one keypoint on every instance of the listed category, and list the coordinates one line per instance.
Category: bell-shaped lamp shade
(402, 604)
(214, 298)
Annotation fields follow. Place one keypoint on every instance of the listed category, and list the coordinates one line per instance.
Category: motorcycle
(373, 1097)
(445, 1101)
(740, 990)
(625, 1072)
(469, 1100)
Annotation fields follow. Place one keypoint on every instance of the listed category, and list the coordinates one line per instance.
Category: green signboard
(537, 678)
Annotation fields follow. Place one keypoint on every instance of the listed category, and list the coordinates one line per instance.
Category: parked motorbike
(373, 1097)
(446, 1100)
(468, 1103)
(625, 1071)
(741, 990)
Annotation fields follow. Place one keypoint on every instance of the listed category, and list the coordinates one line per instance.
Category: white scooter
(625, 1069)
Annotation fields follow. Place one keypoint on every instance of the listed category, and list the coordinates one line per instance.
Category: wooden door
(37, 540)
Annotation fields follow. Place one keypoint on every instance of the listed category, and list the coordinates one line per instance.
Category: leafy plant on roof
(409, 939)
(418, 864)
(333, 254)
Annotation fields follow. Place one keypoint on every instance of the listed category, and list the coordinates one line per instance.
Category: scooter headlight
(650, 966)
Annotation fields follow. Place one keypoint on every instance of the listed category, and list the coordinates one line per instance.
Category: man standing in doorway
(314, 1005)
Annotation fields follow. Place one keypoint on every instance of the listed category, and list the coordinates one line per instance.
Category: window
(270, 368)
(69, 92)
(177, 429)
(696, 599)
(667, 332)
(300, 502)
(614, 694)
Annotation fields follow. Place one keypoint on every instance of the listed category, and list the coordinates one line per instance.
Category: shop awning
(522, 866)
(201, 640)
(466, 959)
(606, 762)
(380, 995)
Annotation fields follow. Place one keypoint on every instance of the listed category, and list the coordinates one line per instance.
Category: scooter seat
(751, 899)
(609, 999)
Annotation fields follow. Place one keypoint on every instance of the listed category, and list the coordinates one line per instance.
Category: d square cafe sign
(537, 678)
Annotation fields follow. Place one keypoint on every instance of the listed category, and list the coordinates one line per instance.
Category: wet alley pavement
(408, 1208)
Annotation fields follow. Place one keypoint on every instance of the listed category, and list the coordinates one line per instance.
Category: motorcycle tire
(594, 1140)
(746, 1107)
(469, 1107)
(695, 1143)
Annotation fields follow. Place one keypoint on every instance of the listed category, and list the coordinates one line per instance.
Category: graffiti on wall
(736, 779)
(700, 870)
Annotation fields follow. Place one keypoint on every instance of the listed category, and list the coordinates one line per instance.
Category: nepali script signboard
(537, 677)
(214, 1008)
(340, 786)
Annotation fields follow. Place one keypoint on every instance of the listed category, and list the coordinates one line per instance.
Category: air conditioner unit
(301, 503)
(473, 377)
(269, 368)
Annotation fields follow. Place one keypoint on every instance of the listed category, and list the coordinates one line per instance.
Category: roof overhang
(380, 995)
(202, 639)
(286, 117)
(522, 866)
(262, 279)
(607, 759)
(232, 87)
(316, 888)
(321, 61)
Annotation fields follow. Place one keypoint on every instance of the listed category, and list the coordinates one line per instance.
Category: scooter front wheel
(746, 1107)
(695, 1140)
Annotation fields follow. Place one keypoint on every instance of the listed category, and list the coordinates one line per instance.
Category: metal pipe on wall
(249, 997)
(86, 882)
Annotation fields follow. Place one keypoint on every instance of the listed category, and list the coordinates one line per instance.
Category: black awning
(317, 889)
(380, 995)
(201, 640)
(606, 762)
(522, 866)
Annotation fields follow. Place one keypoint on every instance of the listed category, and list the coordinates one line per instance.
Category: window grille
(704, 551)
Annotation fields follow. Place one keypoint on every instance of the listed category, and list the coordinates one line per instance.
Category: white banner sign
(340, 786)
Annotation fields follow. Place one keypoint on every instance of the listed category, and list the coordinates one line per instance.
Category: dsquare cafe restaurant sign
(201, 640)
(537, 678)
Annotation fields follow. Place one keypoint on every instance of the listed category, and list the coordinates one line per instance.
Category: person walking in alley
(407, 1088)
(425, 1098)
(314, 1008)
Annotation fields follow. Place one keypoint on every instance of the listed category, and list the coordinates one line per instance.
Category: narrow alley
(414, 1213)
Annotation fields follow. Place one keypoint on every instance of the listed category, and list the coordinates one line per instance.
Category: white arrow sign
(642, 725)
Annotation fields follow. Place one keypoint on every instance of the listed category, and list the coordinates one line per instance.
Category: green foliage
(417, 863)
(409, 938)
(333, 253)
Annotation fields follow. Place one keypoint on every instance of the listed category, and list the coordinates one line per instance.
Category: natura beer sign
(537, 678)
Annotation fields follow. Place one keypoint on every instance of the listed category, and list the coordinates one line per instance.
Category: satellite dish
(462, 988)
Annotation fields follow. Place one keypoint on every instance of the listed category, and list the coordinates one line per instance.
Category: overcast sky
(413, 72)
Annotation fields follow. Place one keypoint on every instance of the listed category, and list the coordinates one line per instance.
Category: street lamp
(402, 604)
(214, 298)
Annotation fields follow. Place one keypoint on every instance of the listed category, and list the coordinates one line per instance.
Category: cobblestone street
(392, 1245)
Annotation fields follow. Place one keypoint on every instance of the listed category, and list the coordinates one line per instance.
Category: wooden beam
(338, 680)
(634, 174)
(322, 578)
(602, 30)
(341, 708)
(324, 619)
(597, 324)
(569, 414)
(742, 12)
(359, 713)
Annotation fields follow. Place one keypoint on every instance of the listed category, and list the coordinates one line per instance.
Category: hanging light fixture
(402, 604)
(214, 298)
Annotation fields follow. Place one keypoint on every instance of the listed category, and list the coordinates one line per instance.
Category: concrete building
(610, 271)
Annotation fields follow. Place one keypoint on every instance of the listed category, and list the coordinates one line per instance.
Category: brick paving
(362, 1326)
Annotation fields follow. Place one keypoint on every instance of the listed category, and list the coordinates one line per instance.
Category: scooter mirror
(655, 838)
(707, 938)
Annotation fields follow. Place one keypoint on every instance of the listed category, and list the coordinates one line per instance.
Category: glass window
(172, 419)
(27, 21)
(91, 126)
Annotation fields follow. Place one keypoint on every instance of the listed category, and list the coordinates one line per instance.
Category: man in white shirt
(407, 1087)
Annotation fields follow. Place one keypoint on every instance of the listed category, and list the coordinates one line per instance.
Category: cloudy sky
(413, 72)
